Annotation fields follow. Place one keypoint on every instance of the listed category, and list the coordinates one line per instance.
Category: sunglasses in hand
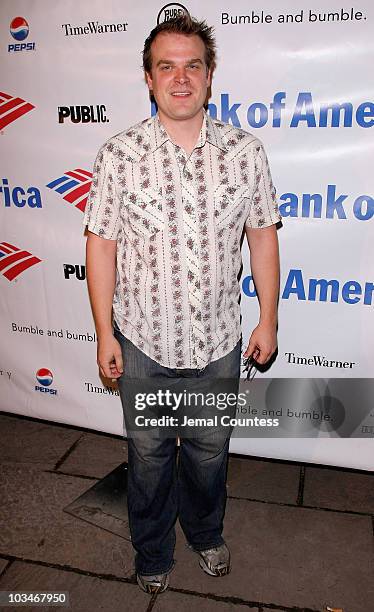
(249, 366)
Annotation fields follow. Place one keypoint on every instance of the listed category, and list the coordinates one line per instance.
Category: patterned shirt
(178, 222)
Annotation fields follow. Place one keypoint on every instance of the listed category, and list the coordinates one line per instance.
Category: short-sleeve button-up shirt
(178, 220)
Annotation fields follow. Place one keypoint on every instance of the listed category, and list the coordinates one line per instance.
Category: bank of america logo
(74, 187)
(14, 261)
(12, 108)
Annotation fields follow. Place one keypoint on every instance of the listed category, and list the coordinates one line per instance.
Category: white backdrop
(303, 87)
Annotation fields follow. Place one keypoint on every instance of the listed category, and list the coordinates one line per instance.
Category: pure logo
(171, 10)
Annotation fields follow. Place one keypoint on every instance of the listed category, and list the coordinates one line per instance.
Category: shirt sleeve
(103, 204)
(264, 207)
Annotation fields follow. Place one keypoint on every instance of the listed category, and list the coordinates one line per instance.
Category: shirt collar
(158, 134)
(213, 134)
(209, 133)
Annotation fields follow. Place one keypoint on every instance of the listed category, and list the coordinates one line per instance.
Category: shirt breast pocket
(145, 211)
(230, 205)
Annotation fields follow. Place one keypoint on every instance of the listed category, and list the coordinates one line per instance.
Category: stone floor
(301, 535)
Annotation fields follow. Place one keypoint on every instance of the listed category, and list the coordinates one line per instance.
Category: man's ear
(209, 76)
(148, 80)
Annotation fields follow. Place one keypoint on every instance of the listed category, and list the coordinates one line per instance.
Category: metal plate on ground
(105, 504)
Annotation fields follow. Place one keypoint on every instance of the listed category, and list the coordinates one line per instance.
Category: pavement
(301, 535)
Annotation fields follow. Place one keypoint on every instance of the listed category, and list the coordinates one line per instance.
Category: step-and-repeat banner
(296, 74)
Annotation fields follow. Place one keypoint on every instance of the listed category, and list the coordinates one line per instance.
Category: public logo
(12, 108)
(45, 379)
(20, 196)
(171, 10)
(74, 187)
(76, 270)
(83, 114)
(14, 261)
(93, 27)
(19, 29)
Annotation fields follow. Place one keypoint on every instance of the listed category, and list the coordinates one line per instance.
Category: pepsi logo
(19, 28)
(44, 377)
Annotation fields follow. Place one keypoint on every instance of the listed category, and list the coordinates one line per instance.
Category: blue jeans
(164, 483)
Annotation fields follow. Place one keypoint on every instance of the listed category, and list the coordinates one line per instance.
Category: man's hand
(262, 343)
(109, 357)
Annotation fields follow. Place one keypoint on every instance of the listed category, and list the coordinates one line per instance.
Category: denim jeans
(164, 483)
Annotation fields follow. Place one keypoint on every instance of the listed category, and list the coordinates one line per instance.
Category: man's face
(179, 78)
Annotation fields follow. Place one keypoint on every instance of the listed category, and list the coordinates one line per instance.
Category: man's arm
(264, 256)
(101, 278)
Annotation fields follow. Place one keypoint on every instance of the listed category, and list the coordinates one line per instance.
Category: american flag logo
(14, 261)
(75, 186)
(12, 108)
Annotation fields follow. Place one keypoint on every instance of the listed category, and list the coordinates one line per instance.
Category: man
(170, 199)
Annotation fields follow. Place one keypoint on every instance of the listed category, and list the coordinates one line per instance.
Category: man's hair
(187, 25)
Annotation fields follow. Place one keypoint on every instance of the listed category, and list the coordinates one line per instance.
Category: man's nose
(181, 75)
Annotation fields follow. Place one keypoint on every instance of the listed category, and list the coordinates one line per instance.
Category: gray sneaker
(153, 584)
(215, 561)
